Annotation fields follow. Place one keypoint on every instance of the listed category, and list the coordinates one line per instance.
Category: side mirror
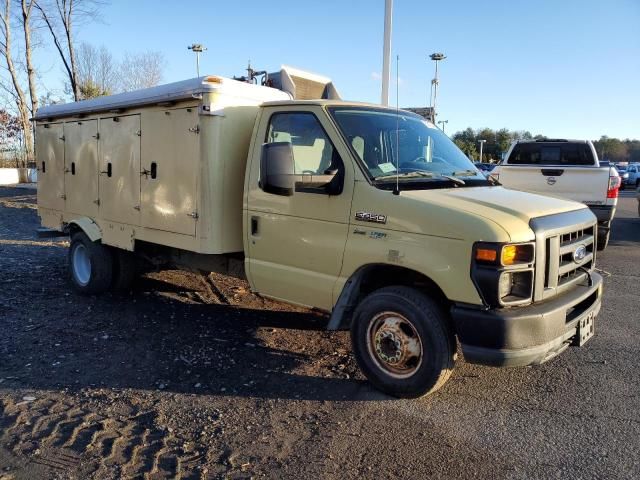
(277, 169)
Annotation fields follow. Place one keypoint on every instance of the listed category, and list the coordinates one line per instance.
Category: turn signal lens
(486, 255)
(509, 253)
(516, 254)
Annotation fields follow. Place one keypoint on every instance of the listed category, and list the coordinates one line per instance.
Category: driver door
(296, 243)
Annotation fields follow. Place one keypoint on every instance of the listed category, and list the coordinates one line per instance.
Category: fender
(88, 226)
(370, 277)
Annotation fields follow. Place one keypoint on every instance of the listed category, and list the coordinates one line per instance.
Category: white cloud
(378, 77)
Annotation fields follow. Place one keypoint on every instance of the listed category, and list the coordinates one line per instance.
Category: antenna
(397, 190)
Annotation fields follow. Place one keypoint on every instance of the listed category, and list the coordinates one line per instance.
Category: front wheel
(402, 342)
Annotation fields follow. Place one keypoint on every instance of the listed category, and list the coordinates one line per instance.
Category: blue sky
(563, 68)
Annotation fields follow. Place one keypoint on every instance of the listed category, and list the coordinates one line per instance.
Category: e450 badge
(371, 217)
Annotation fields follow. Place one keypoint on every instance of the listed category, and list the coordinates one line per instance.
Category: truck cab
(350, 206)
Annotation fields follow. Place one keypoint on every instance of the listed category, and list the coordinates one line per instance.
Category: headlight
(505, 284)
(503, 273)
(510, 254)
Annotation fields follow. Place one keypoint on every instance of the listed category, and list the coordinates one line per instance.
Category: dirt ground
(196, 378)
(175, 379)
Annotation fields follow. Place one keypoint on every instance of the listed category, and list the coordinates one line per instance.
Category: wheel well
(85, 225)
(373, 277)
(72, 229)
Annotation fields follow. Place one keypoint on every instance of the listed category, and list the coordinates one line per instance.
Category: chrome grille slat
(567, 267)
(571, 246)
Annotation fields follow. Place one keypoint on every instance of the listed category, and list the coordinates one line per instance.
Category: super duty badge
(371, 217)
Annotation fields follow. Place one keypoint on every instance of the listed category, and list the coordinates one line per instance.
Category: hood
(485, 201)
(511, 210)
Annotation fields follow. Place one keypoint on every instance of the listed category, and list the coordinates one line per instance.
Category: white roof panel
(170, 92)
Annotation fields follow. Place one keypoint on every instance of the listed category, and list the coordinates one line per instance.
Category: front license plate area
(585, 329)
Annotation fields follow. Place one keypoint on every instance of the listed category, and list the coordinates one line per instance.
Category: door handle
(108, 170)
(551, 172)
(255, 226)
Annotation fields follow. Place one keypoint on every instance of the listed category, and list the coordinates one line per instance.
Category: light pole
(436, 57)
(442, 122)
(481, 143)
(386, 51)
(197, 48)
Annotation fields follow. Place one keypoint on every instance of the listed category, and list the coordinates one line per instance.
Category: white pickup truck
(567, 169)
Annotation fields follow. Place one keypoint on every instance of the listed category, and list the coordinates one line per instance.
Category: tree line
(90, 71)
(497, 142)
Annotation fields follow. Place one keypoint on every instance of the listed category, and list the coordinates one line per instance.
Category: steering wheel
(411, 164)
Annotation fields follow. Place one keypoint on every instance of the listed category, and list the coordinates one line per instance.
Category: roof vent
(303, 85)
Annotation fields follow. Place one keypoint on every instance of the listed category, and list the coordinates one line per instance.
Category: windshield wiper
(457, 181)
(406, 175)
(465, 173)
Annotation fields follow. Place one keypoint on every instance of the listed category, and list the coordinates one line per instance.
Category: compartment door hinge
(193, 215)
(195, 129)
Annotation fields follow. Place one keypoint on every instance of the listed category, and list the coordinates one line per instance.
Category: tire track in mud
(64, 438)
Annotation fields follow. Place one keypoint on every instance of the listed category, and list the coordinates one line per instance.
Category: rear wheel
(402, 342)
(90, 265)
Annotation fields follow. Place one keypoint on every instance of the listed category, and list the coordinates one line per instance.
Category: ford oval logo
(579, 254)
(551, 180)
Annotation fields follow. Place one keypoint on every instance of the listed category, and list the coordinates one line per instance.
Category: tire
(603, 238)
(90, 265)
(124, 270)
(393, 316)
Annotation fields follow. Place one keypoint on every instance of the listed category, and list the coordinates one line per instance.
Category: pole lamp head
(197, 48)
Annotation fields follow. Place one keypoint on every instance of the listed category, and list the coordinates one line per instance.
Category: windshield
(405, 146)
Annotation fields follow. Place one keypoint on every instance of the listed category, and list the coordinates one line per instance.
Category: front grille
(561, 270)
(557, 238)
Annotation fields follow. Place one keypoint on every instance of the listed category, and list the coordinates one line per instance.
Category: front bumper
(528, 335)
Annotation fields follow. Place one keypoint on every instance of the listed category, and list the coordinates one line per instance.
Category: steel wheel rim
(394, 344)
(81, 265)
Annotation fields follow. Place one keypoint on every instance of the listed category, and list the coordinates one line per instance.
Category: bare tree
(61, 17)
(15, 90)
(97, 71)
(141, 70)
(26, 11)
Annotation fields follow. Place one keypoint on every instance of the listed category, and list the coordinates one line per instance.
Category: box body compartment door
(50, 160)
(81, 167)
(169, 168)
(120, 169)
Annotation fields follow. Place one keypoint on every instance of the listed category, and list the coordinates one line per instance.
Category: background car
(624, 175)
(633, 175)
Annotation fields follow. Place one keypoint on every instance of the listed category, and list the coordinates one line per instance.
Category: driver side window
(313, 152)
